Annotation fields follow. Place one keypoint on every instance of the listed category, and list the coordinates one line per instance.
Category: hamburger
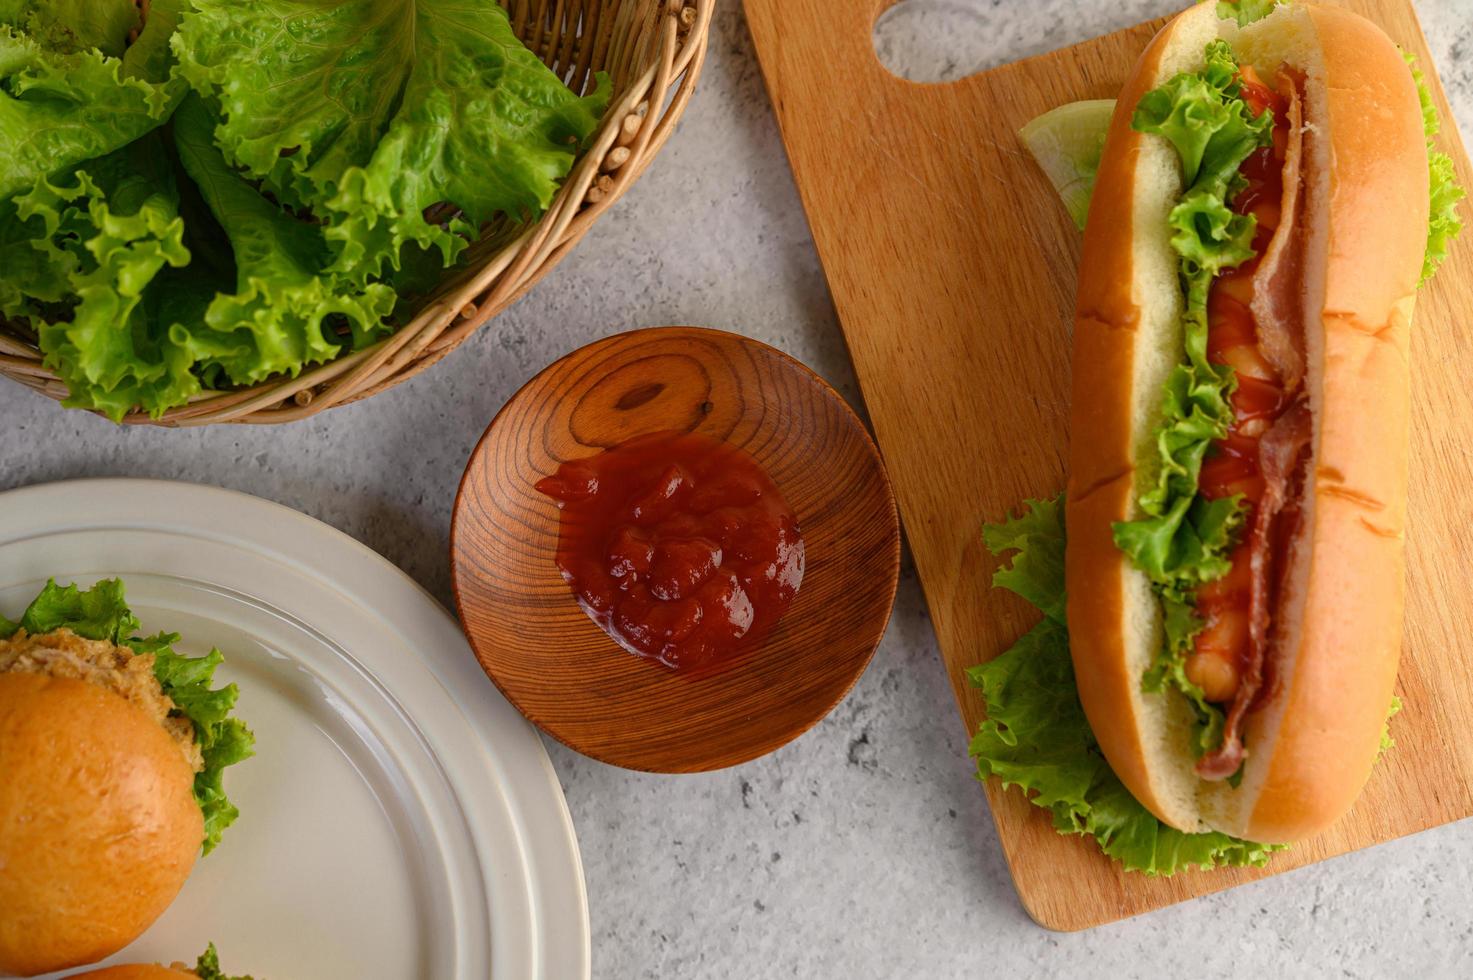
(113, 748)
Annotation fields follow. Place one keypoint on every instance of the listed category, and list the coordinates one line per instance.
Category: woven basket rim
(673, 37)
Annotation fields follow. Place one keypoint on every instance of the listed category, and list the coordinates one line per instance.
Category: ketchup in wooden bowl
(674, 549)
(678, 545)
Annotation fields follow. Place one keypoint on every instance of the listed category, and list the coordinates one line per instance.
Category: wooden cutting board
(952, 265)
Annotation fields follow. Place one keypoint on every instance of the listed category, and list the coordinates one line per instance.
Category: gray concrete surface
(865, 849)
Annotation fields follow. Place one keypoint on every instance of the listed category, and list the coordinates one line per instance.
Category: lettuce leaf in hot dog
(1037, 738)
(1036, 735)
(1076, 156)
(1183, 540)
(1443, 185)
(1245, 11)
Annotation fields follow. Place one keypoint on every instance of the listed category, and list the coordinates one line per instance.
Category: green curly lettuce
(1245, 12)
(118, 319)
(1036, 573)
(1036, 736)
(102, 613)
(1079, 163)
(74, 25)
(343, 157)
(149, 56)
(42, 244)
(432, 102)
(107, 233)
(283, 309)
(1387, 742)
(97, 614)
(1181, 540)
(208, 967)
(1444, 224)
(62, 105)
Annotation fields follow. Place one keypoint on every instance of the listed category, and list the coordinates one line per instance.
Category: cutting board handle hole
(947, 40)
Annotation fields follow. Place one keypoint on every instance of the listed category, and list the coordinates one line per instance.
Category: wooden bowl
(560, 669)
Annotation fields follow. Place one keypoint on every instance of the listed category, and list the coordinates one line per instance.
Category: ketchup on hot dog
(1232, 466)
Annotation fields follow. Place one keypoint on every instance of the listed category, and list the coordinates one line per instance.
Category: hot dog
(1240, 401)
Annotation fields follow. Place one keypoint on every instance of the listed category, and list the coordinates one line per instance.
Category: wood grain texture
(560, 669)
(953, 267)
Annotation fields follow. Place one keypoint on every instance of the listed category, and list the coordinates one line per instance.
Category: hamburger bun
(98, 823)
(1311, 744)
(136, 971)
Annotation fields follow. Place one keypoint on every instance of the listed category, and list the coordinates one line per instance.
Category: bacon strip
(1279, 453)
(1277, 297)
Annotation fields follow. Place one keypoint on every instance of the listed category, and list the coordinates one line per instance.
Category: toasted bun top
(1311, 749)
(98, 823)
(62, 653)
(136, 971)
(1319, 737)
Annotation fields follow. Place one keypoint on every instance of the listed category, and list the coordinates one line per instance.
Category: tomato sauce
(678, 545)
(1232, 465)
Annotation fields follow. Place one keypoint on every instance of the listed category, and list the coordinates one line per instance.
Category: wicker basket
(653, 51)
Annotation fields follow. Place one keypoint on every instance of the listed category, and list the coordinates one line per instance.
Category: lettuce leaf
(1209, 235)
(1245, 12)
(208, 967)
(1036, 736)
(1387, 742)
(1037, 570)
(1182, 540)
(149, 57)
(110, 231)
(122, 331)
(37, 268)
(344, 153)
(1203, 117)
(431, 102)
(60, 108)
(223, 740)
(278, 318)
(74, 25)
(101, 613)
(1444, 224)
(97, 614)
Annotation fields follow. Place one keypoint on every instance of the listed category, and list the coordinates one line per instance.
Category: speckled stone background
(864, 849)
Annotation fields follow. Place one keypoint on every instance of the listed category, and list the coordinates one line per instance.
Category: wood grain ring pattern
(563, 672)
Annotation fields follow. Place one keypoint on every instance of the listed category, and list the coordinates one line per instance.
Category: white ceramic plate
(399, 819)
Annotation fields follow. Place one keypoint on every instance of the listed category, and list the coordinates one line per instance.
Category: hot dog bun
(98, 822)
(136, 971)
(1312, 745)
